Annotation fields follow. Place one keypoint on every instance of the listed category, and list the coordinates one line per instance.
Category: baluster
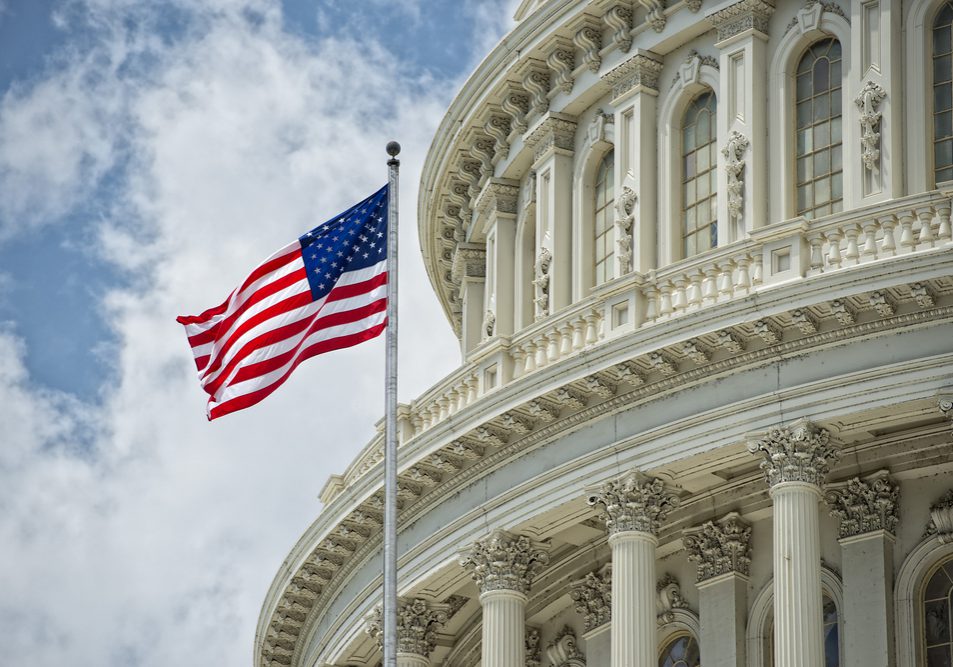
(817, 254)
(578, 334)
(851, 251)
(710, 285)
(870, 241)
(906, 231)
(833, 249)
(757, 269)
(651, 303)
(565, 340)
(725, 279)
(695, 290)
(742, 279)
(944, 233)
(926, 236)
(552, 347)
(889, 245)
(592, 332)
(530, 357)
(518, 361)
(541, 348)
(679, 301)
(665, 300)
(473, 384)
(453, 401)
(443, 406)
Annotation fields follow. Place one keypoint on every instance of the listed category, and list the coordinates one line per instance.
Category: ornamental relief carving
(417, 624)
(592, 597)
(864, 505)
(720, 547)
(741, 17)
(624, 222)
(868, 102)
(635, 502)
(668, 598)
(531, 647)
(734, 153)
(563, 651)
(941, 518)
(544, 262)
(799, 452)
(656, 14)
(504, 561)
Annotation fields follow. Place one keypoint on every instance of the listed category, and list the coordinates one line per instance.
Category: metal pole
(390, 439)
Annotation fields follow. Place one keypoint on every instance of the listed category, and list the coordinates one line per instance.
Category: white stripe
(232, 391)
(280, 347)
(347, 278)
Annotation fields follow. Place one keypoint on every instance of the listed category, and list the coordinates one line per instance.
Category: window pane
(942, 97)
(805, 143)
(937, 622)
(837, 186)
(804, 87)
(804, 114)
(836, 160)
(822, 75)
(942, 125)
(822, 135)
(836, 130)
(602, 219)
(943, 153)
(941, 37)
(938, 657)
(822, 162)
(941, 68)
(822, 107)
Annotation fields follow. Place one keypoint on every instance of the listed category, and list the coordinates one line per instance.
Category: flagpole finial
(393, 148)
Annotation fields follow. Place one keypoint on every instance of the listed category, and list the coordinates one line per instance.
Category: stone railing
(796, 249)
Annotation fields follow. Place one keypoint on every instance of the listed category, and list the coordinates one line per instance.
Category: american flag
(325, 291)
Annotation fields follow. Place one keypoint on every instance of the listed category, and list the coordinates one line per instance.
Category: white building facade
(699, 258)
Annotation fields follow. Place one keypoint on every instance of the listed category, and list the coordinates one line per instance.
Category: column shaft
(633, 599)
(798, 624)
(412, 660)
(503, 629)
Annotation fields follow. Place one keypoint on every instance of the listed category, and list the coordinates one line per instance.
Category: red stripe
(200, 362)
(251, 398)
(286, 305)
(251, 371)
(263, 270)
(263, 292)
(356, 289)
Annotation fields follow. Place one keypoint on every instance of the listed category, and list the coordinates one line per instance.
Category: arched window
(680, 651)
(937, 610)
(943, 94)
(831, 635)
(820, 169)
(699, 176)
(604, 198)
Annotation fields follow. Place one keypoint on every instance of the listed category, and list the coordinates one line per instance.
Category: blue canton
(355, 239)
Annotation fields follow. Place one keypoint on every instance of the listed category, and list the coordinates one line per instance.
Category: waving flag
(325, 291)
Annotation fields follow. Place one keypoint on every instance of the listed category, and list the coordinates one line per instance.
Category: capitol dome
(698, 255)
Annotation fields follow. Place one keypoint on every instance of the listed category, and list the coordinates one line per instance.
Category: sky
(151, 153)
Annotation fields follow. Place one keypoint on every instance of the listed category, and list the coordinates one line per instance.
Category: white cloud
(134, 532)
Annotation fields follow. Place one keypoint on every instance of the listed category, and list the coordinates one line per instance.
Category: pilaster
(742, 116)
(553, 142)
(503, 566)
(868, 510)
(497, 207)
(797, 459)
(635, 505)
(723, 553)
(469, 272)
(635, 94)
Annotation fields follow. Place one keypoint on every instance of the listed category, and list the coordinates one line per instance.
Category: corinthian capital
(592, 596)
(864, 505)
(417, 624)
(720, 547)
(635, 502)
(504, 561)
(799, 452)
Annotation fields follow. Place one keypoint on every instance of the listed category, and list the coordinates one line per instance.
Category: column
(497, 210)
(417, 624)
(553, 140)
(868, 512)
(635, 505)
(796, 461)
(723, 553)
(503, 566)
(634, 95)
(469, 271)
(742, 116)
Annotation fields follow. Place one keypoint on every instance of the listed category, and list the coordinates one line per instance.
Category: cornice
(640, 72)
(332, 568)
(741, 17)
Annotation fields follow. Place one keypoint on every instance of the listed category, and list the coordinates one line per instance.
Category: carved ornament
(588, 39)
(417, 624)
(668, 597)
(655, 15)
(531, 647)
(469, 261)
(504, 561)
(619, 20)
(592, 597)
(865, 505)
(720, 547)
(734, 153)
(639, 71)
(561, 61)
(556, 131)
(741, 17)
(635, 502)
(499, 195)
(941, 518)
(563, 651)
(544, 263)
(624, 221)
(799, 452)
(868, 102)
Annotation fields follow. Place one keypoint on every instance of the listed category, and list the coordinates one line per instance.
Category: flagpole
(390, 439)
